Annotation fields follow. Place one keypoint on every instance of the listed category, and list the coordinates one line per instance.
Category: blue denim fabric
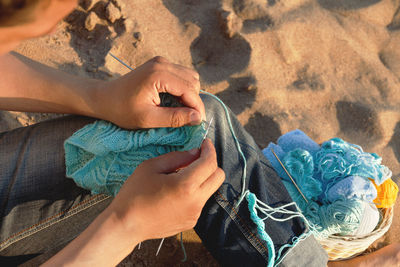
(226, 230)
(42, 210)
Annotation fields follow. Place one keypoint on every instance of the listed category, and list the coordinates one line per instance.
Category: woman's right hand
(158, 201)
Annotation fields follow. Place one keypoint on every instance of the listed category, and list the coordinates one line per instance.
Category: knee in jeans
(213, 107)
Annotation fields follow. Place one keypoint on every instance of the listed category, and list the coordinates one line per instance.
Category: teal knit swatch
(101, 156)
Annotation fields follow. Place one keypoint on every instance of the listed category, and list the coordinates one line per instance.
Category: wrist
(96, 99)
(127, 233)
(104, 243)
(124, 223)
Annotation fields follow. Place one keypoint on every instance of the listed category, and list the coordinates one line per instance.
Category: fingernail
(194, 151)
(195, 117)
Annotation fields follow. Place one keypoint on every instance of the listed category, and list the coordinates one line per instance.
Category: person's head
(25, 19)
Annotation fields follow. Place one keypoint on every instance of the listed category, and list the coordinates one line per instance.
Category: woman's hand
(156, 201)
(133, 101)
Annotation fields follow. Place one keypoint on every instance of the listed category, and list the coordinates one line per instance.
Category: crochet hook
(291, 178)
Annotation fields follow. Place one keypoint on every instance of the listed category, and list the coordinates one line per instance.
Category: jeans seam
(259, 246)
(33, 229)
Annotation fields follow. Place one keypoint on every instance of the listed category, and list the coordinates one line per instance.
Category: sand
(328, 67)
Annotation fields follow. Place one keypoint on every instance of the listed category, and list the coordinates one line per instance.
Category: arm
(131, 101)
(154, 202)
(26, 85)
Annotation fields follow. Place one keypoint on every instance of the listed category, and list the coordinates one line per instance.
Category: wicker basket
(345, 247)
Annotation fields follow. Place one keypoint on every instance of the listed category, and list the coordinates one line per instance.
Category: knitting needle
(159, 247)
(283, 166)
(208, 128)
(120, 61)
(129, 67)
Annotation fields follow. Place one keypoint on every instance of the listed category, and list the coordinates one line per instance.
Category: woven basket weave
(345, 247)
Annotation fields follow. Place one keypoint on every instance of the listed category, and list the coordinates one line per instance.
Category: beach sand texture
(328, 67)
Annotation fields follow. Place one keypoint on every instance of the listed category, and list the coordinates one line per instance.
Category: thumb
(173, 161)
(175, 117)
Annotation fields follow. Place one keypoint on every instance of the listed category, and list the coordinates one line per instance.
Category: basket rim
(380, 230)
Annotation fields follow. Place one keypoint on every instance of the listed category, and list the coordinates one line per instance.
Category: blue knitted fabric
(101, 156)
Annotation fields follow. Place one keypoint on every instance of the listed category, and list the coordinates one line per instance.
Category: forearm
(103, 243)
(26, 85)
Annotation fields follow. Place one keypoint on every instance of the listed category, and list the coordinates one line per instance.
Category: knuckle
(221, 174)
(194, 214)
(176, 119)
(194, 220)
(212, 160)
(198, 208)
(158, 64)
(196, 75)
(156, 67)
(191, 223)
(159, 59)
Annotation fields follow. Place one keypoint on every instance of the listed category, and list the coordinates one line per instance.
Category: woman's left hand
(133, 101)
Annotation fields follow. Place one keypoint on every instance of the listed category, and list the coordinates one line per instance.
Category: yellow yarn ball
(387, 194)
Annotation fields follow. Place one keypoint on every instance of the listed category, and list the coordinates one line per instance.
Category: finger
(173, 161)
(173, 117)
(194, 100)
(174, 85)
(184, 72)
(209, 186)
(202, 168)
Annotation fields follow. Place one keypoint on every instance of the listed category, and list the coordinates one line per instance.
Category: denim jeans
(42, 210)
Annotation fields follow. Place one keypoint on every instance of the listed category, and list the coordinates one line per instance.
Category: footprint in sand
(240, 94)
(263, 129)
(395, 141)
(358, 123)
(346, 4)
(254, 14)
(307, 79)
(221, 50)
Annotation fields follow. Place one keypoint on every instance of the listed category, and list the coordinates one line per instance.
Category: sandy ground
(328, 67)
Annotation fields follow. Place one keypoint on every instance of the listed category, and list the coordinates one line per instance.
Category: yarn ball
(299, 163)
(101, 156)
(338, 159)
(369, 220)
(342, 217)
(352, 187)
(342, 169)
(387, 194)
